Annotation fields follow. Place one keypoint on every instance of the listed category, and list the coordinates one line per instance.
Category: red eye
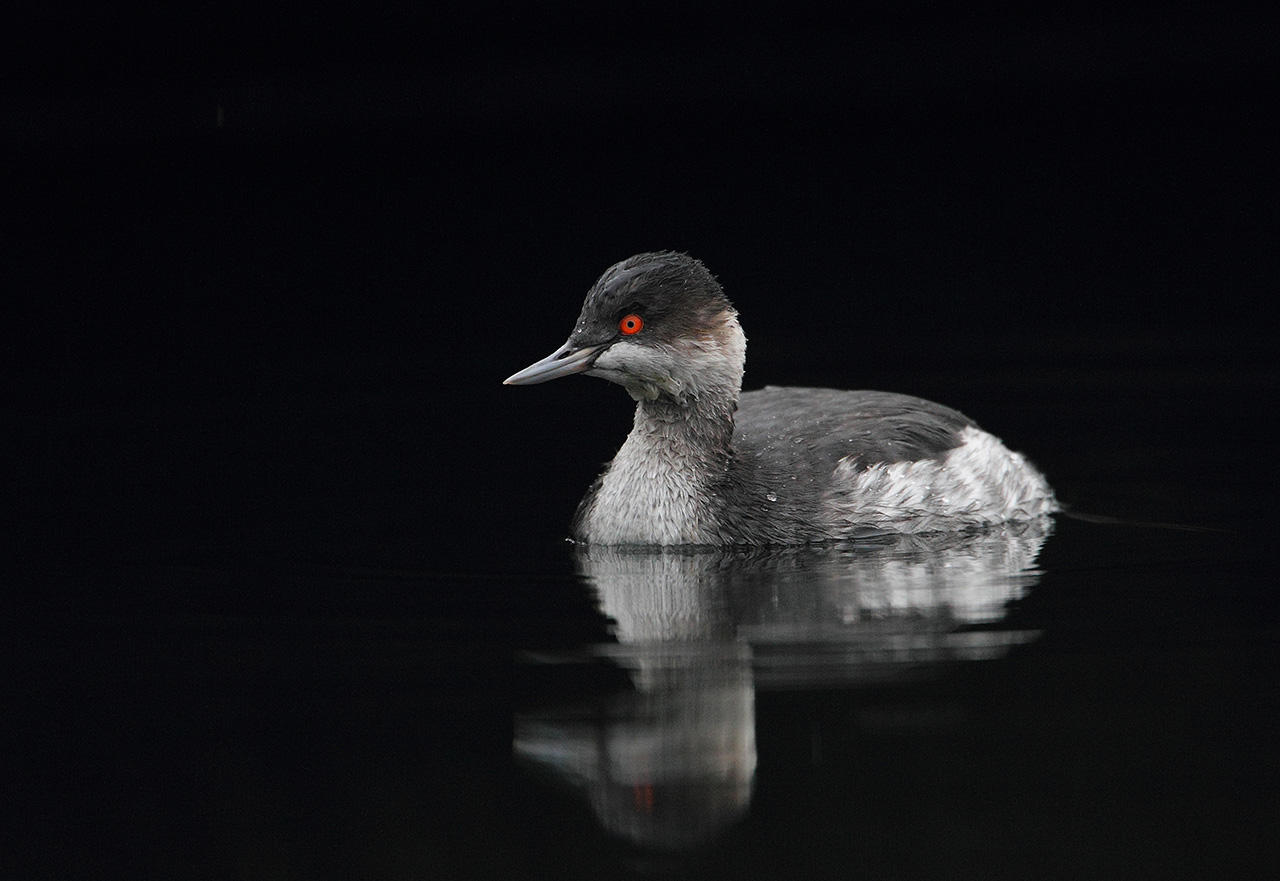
(631, 324)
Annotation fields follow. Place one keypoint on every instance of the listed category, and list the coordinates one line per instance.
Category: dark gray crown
(675, 294)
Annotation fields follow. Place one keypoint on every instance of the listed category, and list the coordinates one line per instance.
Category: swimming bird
(706, 464)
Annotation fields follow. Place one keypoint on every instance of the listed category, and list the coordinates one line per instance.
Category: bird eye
(630, 325)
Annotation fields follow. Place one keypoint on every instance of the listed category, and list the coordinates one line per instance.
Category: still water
(1072, 699)
(920, 711)
(669, 763)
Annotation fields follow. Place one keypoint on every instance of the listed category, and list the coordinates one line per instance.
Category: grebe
(706, 465)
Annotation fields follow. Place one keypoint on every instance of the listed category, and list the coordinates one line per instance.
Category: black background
(270, 266)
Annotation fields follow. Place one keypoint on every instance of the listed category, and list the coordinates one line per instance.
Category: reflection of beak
(563, 361)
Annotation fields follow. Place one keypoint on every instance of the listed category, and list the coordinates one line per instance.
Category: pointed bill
(564, 361)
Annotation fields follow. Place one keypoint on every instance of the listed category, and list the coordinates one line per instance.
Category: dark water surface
(1094, 700)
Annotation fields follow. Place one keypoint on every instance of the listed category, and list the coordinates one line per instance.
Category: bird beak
(564, 361)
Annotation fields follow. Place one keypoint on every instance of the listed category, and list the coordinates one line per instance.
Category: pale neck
(696, 433)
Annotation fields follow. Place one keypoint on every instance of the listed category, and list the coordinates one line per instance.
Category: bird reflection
(668, 764)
